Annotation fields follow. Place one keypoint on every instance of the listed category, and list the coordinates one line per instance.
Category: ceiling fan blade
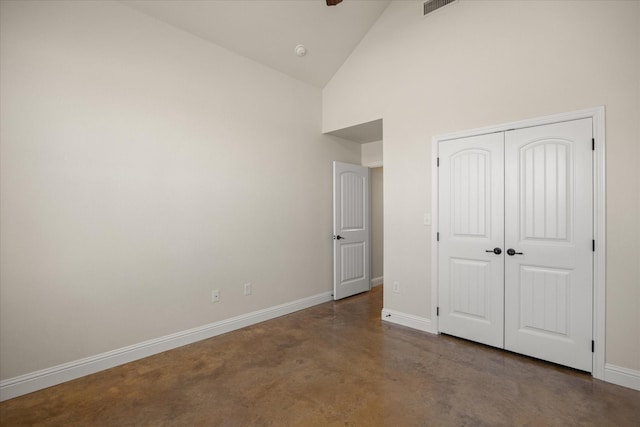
(333, 2)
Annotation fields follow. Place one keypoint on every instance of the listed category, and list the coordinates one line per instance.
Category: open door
(351, 236)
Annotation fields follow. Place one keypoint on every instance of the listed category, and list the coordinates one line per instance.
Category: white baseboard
(618, 375)
(23, 384)
(44, 378)
(409, 320)
(377, 281)
(622, 376)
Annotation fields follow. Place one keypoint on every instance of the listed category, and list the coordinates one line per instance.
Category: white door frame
(597, 114)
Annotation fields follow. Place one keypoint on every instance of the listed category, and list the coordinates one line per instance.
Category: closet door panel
(548, 227)
(471, 208)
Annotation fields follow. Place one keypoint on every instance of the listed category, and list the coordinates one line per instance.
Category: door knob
(338, 237)
(512, 252)
(496, 251)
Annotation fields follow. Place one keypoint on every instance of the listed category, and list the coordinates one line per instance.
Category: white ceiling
(267, 31)
(361, 133)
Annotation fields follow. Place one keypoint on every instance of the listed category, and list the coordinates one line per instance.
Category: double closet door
(515, 248)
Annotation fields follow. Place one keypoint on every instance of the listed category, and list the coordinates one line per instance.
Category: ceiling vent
(431, 5)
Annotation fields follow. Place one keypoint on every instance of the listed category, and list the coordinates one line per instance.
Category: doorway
(377, 225)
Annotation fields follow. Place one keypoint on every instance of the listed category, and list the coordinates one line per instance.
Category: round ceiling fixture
(300, 50)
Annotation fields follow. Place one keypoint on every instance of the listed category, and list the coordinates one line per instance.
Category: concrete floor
(334, 364)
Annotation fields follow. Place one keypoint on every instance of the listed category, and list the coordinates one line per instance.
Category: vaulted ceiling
(268, 31)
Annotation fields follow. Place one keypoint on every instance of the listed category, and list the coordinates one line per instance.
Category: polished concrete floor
(334, 364)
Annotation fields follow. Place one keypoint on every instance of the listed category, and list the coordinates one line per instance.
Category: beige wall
(141, 168)
(372, 154)
(377, 223)
(480, 63)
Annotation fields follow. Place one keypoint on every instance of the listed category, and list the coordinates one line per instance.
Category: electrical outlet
(247, 289)
(215, 296)
(396, 287)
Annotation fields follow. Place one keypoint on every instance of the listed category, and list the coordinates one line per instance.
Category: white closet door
(548, 223)
(471, 207)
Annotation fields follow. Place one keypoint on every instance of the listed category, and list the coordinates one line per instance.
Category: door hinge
(438, 236)
(593, 245)
(437, 311)
(593, 144)
(438, 162)
(593, 346)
